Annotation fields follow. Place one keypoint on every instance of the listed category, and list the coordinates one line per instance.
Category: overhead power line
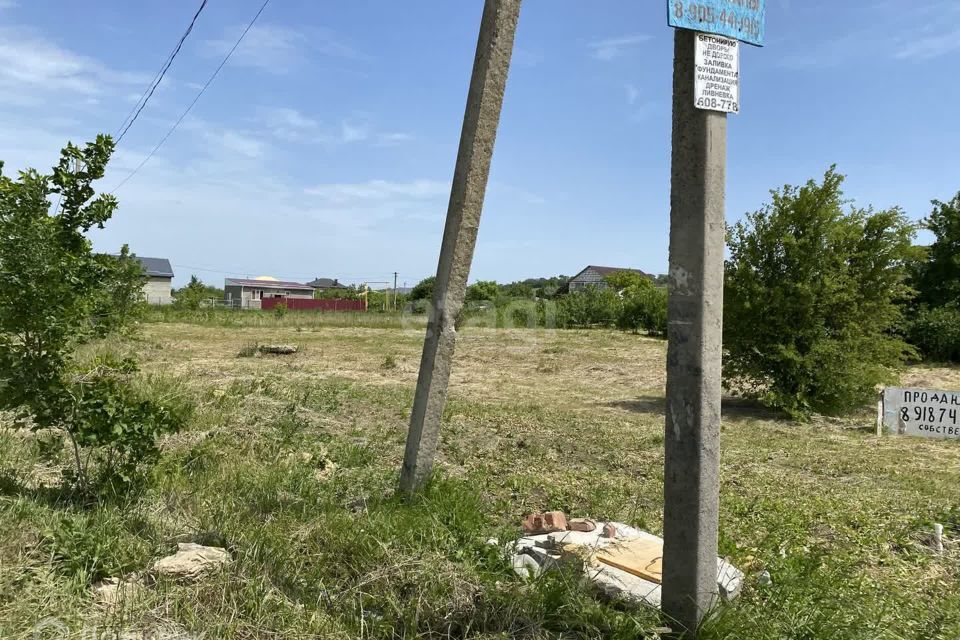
(148, 92)
(199, 93)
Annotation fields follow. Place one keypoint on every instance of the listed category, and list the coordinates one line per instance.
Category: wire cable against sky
(199, 93)
(348, 278)
(148, 92)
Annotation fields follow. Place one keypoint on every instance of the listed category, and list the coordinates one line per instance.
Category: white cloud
(268, 47)
(353, 133)
(379, 190)
(32, 67)
(285, 116)
(930, 45)
(393, 138)
(7, 4)
(292, 125)
(235, 142)
(632, 93)
(611, 48)
(278, 49)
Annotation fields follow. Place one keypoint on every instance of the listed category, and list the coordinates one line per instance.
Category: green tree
(644, 308)
(482, 291)
(589, 307)
(195, 293)
(423, 289)
(938, 278)
(56, 293)
(936, 332)
(621, 280)
(811, 297)
(339, 293)
(119, 300)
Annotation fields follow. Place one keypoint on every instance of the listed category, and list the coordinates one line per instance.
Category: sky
(326, 145)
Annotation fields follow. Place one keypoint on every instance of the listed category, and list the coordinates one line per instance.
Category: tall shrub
(588, 307)
(811, 298)
(644, 308)
(56, 293)
(938, 278)
(936, 333)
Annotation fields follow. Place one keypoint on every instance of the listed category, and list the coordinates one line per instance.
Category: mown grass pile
(290, 463)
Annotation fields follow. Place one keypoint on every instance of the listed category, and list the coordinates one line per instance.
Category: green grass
(291, 463)
(221, 317)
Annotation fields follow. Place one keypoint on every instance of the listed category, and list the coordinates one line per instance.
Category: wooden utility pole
(484, 100)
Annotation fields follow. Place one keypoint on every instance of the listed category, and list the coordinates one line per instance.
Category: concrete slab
(612, 582)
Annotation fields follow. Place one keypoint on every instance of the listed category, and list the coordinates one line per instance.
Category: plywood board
(642, 557)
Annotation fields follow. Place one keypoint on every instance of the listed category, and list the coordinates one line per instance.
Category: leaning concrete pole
(695, 321)
(490, 67)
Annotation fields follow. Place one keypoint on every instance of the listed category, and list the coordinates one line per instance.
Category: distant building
(596, 277)
(159, 280)
(248, 293)
(322, 284)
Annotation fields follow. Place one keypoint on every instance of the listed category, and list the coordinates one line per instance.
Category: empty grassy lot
(290, 463)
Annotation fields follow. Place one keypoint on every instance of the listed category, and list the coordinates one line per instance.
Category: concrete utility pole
(695, 318)
(490, 67)
(394, 290)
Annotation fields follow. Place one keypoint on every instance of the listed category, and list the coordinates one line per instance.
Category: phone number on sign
(710, 16)
(718, 104)
(928, 414)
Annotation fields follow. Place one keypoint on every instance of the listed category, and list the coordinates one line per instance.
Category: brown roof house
(594, 276)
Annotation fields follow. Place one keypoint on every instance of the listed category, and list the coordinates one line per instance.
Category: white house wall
(157, 291)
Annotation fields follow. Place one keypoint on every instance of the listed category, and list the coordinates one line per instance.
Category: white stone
(525, 566)
(191, 561)
(114, 592)
(616, 583)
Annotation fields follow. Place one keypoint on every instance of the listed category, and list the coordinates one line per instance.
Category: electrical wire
(199, 93)
(287, 278)
(148, 92)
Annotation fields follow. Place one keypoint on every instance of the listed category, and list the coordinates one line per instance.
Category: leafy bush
(280, 310)
(541, 312)
(55, 294)
(482, 290)
(118, 302)
(420, 306)
(644, 308)
(936, 333)
(521, 317)
(423, 290)
(500, 305)
(588, 307)
(117, 421)
(937, 278)
(811, 298)
(196, 294)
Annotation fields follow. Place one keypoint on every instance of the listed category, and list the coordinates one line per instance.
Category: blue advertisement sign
(739, 19)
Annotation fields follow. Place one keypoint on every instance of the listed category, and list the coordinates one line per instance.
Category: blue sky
(326, 145)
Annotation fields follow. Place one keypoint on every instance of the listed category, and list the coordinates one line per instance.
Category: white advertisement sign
(717, 85)
(922, 412)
